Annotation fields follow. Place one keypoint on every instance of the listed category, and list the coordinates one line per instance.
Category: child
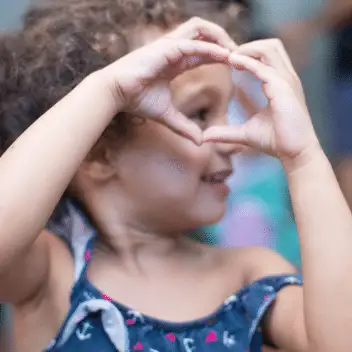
(138, 267)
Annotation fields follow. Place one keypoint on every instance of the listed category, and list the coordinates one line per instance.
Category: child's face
(162, 174)
(159, 178)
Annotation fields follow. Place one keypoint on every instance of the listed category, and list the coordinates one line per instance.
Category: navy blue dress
(96, 323)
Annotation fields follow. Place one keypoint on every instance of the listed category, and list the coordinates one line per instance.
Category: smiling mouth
(217, 177)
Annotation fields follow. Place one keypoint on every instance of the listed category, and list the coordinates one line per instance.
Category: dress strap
(262, 293)
(82, 277)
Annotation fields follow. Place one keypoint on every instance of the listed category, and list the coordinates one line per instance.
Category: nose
(227, 149)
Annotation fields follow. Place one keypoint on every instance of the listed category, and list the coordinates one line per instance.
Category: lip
(221, 188)
(219, 185)
(221, 176)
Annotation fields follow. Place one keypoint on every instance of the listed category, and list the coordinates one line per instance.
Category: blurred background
(318, 36)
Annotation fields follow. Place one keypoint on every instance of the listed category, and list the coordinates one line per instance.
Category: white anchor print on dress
(291, 280)
(111, 318)
(230, 301)
(228, 340)
(189, 345)
(83, 334)
(268, 288)
(135, 316)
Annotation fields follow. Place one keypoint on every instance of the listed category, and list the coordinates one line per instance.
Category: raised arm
(319, 317)
(36, 170)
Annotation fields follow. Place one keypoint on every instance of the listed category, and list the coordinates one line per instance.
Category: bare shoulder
(257, 262)
(283, 323)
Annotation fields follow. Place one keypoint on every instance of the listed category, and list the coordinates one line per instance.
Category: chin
(209, 216)
(215, 218)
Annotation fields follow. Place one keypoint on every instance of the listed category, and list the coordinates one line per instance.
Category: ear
(98, 170)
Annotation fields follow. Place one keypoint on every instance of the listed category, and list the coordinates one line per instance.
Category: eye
(200, 115)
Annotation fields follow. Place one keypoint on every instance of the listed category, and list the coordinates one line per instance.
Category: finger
(246, 150)
(268, 55)
(203, 50)
(226, 134)
(198, 28)
(183, 55)
(181, 125)
(264, 73)
(271, 52)
(272, 82)
(170, 57)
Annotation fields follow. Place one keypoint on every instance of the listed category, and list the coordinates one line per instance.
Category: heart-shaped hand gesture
(141, 79)
(283, 128)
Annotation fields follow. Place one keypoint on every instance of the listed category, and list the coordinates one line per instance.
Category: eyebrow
(209, 91)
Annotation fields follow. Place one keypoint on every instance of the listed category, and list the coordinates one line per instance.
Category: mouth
(217, 178)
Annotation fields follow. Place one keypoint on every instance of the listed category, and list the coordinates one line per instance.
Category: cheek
(191, 157)
(170, 175)
(165, 162)
(180, 168)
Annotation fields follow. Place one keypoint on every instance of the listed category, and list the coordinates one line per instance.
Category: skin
(145, 252)
(297, 37)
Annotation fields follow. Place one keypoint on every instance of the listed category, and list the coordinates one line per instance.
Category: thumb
(226, 134)
(181, 125)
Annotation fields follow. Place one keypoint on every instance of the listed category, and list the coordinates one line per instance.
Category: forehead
(214, 79)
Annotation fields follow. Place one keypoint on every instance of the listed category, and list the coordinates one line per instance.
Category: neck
(139, 250)
(120, 238)
(130, 234)
(126, 238)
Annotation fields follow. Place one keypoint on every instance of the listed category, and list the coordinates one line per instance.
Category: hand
(283, 128)
(141, 78)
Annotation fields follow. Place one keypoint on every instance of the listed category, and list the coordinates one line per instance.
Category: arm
(325, 227)
(320, 314)
(321, 321)
(41, 154)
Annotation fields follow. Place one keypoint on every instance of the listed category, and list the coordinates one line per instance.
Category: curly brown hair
(61, 42)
